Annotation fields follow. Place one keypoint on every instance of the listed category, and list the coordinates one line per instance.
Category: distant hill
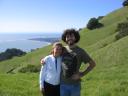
(49, 40)
(109, 78)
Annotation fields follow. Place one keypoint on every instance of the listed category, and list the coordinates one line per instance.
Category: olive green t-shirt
(82, 57)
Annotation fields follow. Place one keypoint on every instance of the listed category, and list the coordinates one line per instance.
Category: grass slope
(19, 62)
(110, 22)
(109, 78)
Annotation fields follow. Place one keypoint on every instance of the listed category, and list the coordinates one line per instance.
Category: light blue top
(51, 70)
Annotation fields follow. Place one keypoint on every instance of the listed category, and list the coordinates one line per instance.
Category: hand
(76, 76)
(42, 61)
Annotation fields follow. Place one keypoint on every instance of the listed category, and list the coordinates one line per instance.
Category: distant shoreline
(27, 42)
(49, 40)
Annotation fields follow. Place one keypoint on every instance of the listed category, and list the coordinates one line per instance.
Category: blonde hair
(56, 44)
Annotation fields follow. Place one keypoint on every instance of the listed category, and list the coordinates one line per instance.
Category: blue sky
(51, 15)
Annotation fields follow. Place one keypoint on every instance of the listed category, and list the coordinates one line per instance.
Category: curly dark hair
(71, 31)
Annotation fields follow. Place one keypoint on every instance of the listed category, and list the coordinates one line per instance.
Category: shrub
(9, 53)
(93, 24)
(125, 3)
(30, 68)
(122, 29)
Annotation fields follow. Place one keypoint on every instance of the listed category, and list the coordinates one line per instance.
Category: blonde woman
(50, 72)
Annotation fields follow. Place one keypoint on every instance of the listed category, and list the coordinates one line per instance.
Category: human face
(70, 39)
(57, 51)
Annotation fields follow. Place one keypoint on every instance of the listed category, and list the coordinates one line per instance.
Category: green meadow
(109, 77)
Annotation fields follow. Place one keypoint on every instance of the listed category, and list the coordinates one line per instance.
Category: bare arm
(78, 75)
(92, 64)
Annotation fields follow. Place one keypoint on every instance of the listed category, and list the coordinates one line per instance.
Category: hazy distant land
(49, 40)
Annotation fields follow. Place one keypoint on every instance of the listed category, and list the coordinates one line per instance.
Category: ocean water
(22, 40)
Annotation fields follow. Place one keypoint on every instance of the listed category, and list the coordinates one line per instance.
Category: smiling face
(70, 39)
(57, 50)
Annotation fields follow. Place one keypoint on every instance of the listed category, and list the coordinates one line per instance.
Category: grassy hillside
(110, 22)
(109, 78)
(19, 85)
(19, 62)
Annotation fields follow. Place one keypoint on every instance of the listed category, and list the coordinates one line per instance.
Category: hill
(109, 78)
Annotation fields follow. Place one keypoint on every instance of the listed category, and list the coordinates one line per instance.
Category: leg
(75, 90)
(51, 90)
(64, 90)
(57, 90)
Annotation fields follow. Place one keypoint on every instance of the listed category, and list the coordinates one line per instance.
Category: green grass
(30, 58)
(110, 22)
(109, 78)
(19, 85)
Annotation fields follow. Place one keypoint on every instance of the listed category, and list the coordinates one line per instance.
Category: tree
(93, 24)
(125, 3)
(9, 53)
